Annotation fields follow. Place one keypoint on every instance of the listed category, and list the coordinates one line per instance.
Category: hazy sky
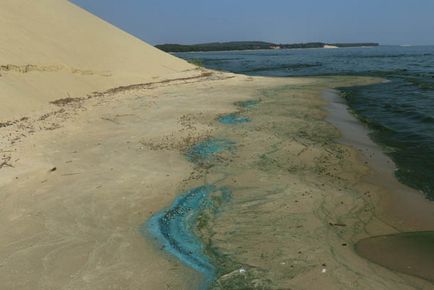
(282, 21)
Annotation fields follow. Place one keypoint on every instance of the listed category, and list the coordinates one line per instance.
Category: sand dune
(51, 49)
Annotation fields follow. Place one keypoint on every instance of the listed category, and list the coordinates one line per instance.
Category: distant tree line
(251, 45)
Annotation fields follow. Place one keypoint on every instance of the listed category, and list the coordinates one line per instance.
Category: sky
(279, 21)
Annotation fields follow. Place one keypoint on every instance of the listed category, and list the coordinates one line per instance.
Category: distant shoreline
(255, 45)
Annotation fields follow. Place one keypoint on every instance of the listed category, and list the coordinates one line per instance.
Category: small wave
(414, 114)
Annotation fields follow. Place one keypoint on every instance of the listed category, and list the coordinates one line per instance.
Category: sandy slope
(51, 49)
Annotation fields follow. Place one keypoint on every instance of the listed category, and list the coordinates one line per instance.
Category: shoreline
(405, 209)
(405, 201)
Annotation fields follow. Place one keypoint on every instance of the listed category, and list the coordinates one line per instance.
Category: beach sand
(79, 177)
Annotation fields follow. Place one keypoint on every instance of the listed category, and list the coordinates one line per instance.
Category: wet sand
(408, 249)
(404, 208)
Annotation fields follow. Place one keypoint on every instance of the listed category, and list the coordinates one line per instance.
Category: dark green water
(400, 112)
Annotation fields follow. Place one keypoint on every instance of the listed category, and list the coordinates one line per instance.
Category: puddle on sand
(233, 119)
(174, 228)
(409, 253)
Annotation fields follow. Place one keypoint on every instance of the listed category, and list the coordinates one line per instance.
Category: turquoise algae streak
(233, 119)
(206, 151)
(174, 230)
(237, 118)
(174, 227)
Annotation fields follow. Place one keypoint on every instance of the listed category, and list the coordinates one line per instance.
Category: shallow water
(410, 253)
(400, 112)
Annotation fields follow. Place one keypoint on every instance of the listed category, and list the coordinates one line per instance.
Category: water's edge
(405, 201)
(391, 251)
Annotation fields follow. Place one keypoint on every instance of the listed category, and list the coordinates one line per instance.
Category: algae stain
(174, 228)
(207, 151)
(247, 104)
(233, 119)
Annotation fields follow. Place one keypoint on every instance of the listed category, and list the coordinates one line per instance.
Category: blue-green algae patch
(174, 228)
(233, 119)
(249, 104)
(208, 150)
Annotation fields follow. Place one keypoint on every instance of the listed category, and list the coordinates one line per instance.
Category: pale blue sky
(282, 21)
